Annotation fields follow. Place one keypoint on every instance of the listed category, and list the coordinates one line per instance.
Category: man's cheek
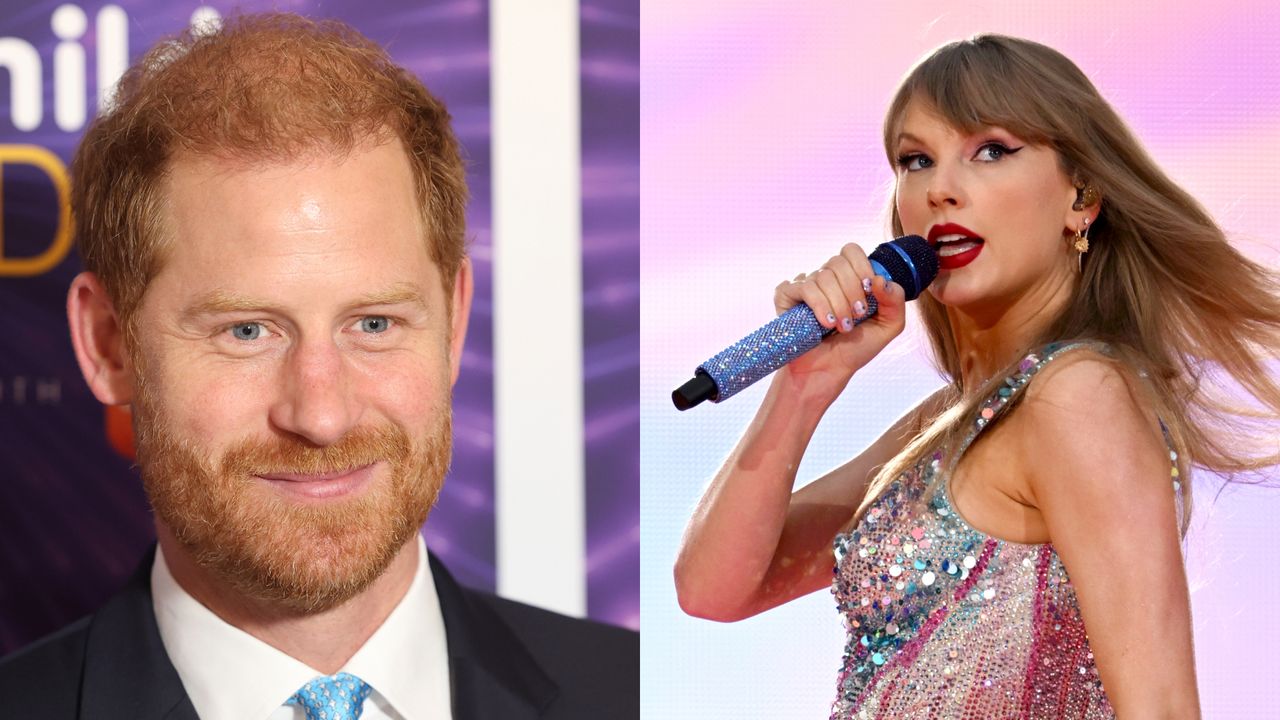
(208, 407)
(407, 389)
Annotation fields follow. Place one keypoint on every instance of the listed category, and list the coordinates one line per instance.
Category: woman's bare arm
(752, 544)
(1100, 475)
(749, 546)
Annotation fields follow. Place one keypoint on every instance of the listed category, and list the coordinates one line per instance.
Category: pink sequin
(970, 626)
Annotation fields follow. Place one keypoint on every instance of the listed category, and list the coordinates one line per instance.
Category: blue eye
(247, 331)
(375, 324)
(998, 151)
(914, 161)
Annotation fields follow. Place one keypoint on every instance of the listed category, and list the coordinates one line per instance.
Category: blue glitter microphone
(908, 261)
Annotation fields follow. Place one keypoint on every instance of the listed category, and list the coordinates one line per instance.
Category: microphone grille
(910, 262)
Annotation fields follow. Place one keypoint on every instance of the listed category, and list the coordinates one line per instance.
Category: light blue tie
(333, 697)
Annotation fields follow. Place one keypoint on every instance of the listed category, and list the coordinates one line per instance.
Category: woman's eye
(247, 331)
(914, 161)
(994, 151)
(375, 324)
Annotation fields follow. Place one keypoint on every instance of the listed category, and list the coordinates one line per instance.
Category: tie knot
(333, 697)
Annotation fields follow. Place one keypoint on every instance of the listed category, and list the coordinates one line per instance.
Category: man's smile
(323, 486)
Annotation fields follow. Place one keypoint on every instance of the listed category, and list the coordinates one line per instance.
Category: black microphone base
(700, 388)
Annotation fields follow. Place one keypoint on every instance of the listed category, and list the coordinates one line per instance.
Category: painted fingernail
(888, 286)
(859, 308)
(866, 284)
(831, 318)
(847, 323)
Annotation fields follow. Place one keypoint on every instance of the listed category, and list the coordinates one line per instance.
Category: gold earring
(1081, 243)
(1086, 195)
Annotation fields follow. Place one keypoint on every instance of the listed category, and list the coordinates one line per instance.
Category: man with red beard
(271, 219)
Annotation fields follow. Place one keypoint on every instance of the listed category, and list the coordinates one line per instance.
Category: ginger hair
(262, 88)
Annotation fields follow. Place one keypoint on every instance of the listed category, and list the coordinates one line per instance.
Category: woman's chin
(953, 292)
(966, 297)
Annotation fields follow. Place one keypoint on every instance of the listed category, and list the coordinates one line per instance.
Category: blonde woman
(1011, 547)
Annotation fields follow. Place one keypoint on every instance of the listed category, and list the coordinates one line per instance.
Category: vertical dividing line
(112, 38)
(537, 301)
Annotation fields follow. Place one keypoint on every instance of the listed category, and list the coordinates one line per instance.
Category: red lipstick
(957, 245)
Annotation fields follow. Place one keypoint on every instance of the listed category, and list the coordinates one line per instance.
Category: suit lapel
(491, 672)
(127, 673)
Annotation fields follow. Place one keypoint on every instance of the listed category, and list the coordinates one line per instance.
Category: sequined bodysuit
(945, 621)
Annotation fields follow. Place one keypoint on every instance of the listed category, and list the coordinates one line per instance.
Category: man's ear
(462, 291)
(98, 339)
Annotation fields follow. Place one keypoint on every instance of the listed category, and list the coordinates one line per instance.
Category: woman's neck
(988, 341)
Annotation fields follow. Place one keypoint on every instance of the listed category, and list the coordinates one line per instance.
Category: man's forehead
(358, 202)
(195, 175)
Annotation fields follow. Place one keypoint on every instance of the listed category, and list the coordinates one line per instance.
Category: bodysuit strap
(998, 402)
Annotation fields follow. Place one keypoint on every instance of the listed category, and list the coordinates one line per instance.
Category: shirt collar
(405, 660)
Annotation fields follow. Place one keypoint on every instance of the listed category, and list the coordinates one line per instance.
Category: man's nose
(314, 399)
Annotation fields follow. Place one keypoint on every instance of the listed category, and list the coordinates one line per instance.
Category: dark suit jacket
(506, 660)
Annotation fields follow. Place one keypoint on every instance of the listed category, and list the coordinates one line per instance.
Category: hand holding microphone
(837, 294)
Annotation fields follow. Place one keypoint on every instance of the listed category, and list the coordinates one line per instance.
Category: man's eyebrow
(402, 293)
(217, 302)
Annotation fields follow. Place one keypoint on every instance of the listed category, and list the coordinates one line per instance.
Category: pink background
(761, 155)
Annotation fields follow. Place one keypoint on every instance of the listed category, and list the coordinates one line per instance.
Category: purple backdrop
(73, 518)
(610, 32)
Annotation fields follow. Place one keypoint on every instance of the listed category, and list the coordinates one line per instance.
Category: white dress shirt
(231, 675)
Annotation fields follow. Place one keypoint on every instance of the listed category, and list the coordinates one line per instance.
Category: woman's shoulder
(1083, 382)
(1088, 403)
(1087, 377)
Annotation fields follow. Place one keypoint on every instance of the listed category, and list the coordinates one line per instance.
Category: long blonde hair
(1179, 306)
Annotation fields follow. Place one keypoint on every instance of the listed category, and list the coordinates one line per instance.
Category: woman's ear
(1085, 204)
(1087, 195)
(98, 340)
